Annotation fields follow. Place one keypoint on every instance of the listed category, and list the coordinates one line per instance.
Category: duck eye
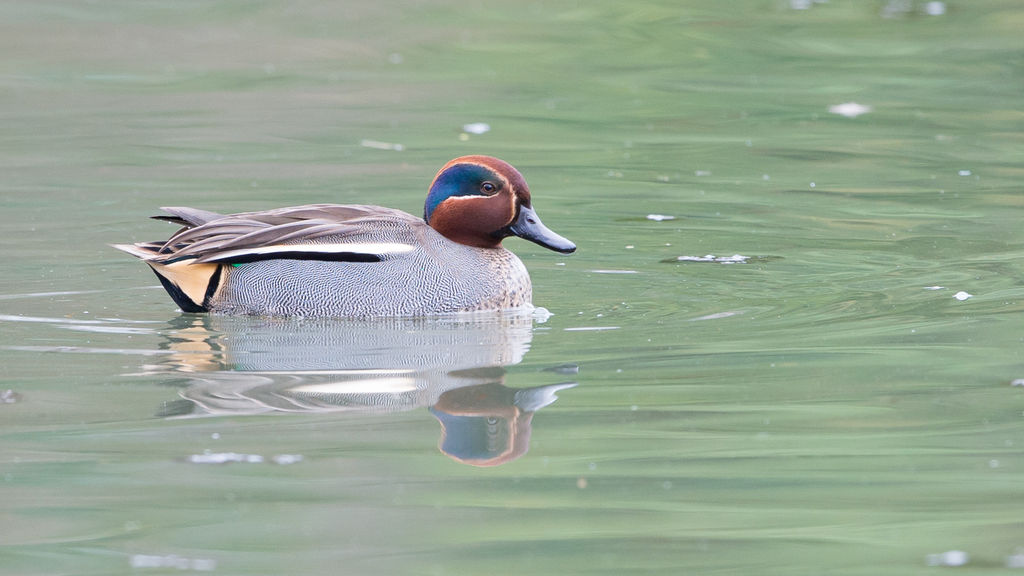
(488, 187)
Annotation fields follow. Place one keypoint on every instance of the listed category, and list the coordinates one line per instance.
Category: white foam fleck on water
(591, 328)
(209, 457)
(476, 128)
(717, 315)
(934, 287)
(963, 173)
(603, 271)
(850, 109)
(948, 558)
(660, 217)
(961, 295)
(935, 8)
(173, 561)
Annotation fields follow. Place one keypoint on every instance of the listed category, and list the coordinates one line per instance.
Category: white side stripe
(374, 248)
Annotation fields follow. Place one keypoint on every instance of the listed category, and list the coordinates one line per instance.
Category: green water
(826, 406)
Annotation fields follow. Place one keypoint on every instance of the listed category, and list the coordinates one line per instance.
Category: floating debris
(378, 145)
(963, 173)
(948, 558)
(1017, 382)
(934, 287)
(850, 109)
(476, 128)
(897, 8)
(9, 396)
(734, 259)
(961, 295)
(564, 369)
(660, 217)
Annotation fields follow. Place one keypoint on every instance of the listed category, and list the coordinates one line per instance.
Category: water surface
(819, 402)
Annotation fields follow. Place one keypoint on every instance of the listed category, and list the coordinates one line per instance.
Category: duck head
(480, 200)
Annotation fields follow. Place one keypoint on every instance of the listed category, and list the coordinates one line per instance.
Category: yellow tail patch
(192, 279)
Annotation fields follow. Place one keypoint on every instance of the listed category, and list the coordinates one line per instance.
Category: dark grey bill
(529, 227)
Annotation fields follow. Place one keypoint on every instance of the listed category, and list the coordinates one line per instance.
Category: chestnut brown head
(480, 200)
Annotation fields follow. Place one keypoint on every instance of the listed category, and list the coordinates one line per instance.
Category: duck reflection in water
(452, 365)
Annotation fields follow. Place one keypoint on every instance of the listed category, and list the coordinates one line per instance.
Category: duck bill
(529, 227)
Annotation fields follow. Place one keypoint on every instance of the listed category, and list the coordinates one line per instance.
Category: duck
(360, 261)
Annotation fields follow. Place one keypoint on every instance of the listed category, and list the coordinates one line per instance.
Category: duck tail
(190, 284)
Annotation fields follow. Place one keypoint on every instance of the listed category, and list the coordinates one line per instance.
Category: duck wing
(188, 217)
(189, 264)
(331, 232)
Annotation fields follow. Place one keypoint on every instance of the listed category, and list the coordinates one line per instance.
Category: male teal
(332, 260)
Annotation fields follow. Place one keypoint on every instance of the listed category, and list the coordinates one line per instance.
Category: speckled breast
(439, 278)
